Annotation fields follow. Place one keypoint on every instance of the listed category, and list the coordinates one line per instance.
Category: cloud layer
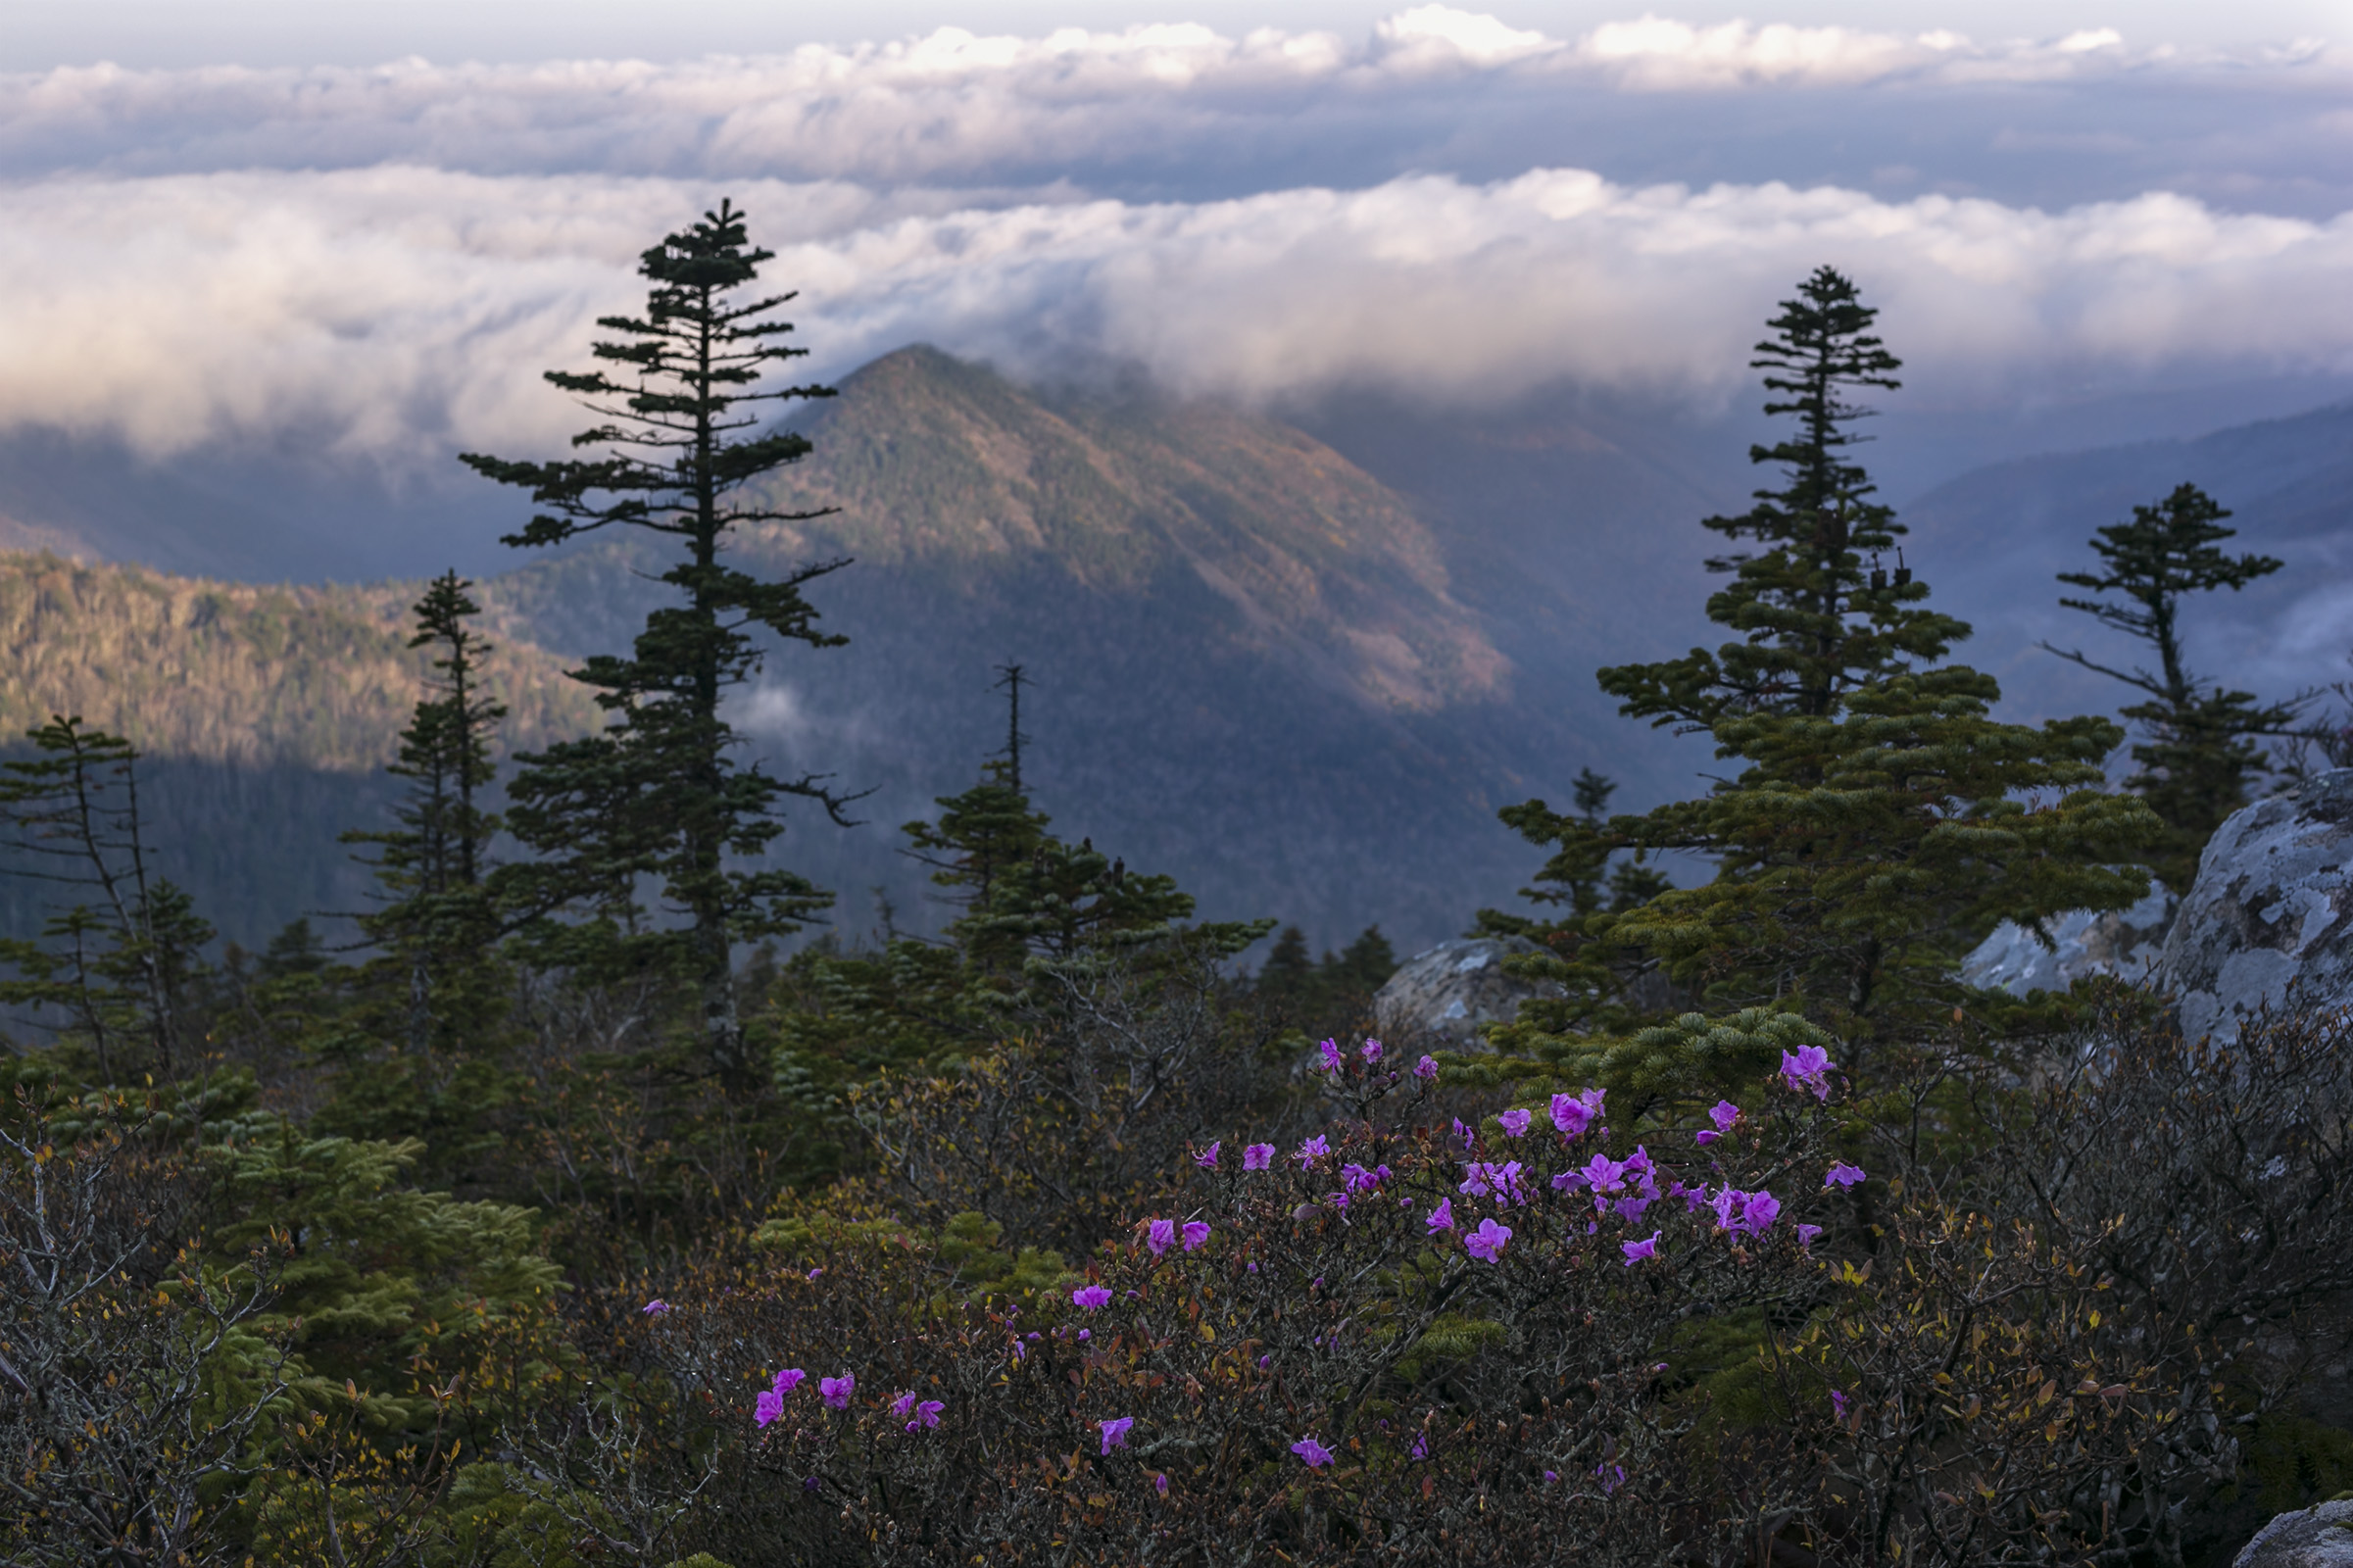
(380, 262)
(399, 312)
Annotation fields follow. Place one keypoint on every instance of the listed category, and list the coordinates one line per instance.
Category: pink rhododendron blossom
(1206, 1159)
(1426, 1069)
(1486, 1242)
(1806, 1235)
(927, 1416)
(903, 1403)
(656, 1308)
(1314, 1149)
(1441, 1218)
(1758, 1213)
(1809, 1068)
(1114, 1432)
(1159, 1482)
(1421, 1446)
(816, 1272)
(1370, 1050)
(1844, 1175)
(1726, 1115)
(1551, 1477)
(1613, 1476)
(1195, 1233)
(1605, 1175)
(1640, 1251)
(1086, 1333)
(1838, 1405)
(770, 1406)
(791, 1378)
(1160, 1235)
(837, 1391)
(1314, 1453)
(1357, 1179)
(1515, 1123)
(1094, 1298)
(1571, 1118)
(1469, 1135)
(1257, 1157)
(1726, 1205)
(1332, 1060)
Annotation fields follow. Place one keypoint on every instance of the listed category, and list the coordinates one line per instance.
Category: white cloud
(402, 312)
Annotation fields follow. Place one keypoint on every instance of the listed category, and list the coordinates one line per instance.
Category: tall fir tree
(437, 923)
(2202, 746)
(1881, 819)
(661, 792)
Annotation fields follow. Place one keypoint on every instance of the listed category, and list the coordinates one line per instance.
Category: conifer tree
(661, 792)
(438, 923)
(2201, 749)
(1880, 820)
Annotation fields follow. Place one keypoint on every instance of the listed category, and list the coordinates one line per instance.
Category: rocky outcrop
(2125, 943)
(2318, 1536)
(2270, 912)
(1443, 996)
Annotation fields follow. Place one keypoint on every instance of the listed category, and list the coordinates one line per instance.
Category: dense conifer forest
(595, 1203)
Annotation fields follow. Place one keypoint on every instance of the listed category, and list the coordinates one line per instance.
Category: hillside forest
(607, 1199)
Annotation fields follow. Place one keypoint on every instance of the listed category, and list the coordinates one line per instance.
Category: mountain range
(1299, 662)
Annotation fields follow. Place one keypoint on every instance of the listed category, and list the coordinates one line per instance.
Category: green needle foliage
(660, 794)
(1881, 819)
(2202, 749)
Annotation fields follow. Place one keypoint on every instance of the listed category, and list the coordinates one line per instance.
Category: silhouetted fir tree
(660, 793)
(1880, 820)
(2201, 752)
(123, 960)
(437, 925)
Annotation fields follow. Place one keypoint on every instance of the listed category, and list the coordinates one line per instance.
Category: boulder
(2317, 1537)
(1443, 996)
(2125, 943)
(2272, 909)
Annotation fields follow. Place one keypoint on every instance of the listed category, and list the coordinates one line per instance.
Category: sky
(365, 228)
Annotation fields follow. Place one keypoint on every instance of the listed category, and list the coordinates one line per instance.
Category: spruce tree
(662, 792)
(1880, 820)
(2201, 749)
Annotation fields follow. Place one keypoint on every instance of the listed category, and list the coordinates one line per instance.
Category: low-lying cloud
(399, 313)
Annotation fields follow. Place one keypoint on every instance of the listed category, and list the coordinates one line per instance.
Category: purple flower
(1844, 1175)
(815, 1272)
(1114, 1432)
(902, 1405)
(1806, 1235)
(1094, 1298)
(1604, 1174)
(1206, 1159)
(1441, 1218)
(1571, 1118)
(1314, 1149)
(1426, 1069)
(1808, 1068)
(656, 1308)
(1257, 1157)
(770, 1406)
(1552, 1476)
(1693, 1198)
(1469, 1135)
(1640, 1251)
(791, 1378)
(1486, 1242)
(1838, 1405)
(1370, 1050)
(927, 1416)
(1160, 1235)
(1330, 1050)
(1613, 1476)
(1726, 1115)
(1314, 1453)
(1195, 1233)
(1759, 1213)
(837, 1391)
(1357, 1179)
(1086, 1333)
(1159, 1482)
(1421, 1446)
(1515, 1123)
(1726, 1203)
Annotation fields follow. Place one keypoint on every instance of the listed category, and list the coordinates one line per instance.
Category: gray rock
(2318, 1536)
(2269, 910)
(2125, 943)
(1446, 993)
